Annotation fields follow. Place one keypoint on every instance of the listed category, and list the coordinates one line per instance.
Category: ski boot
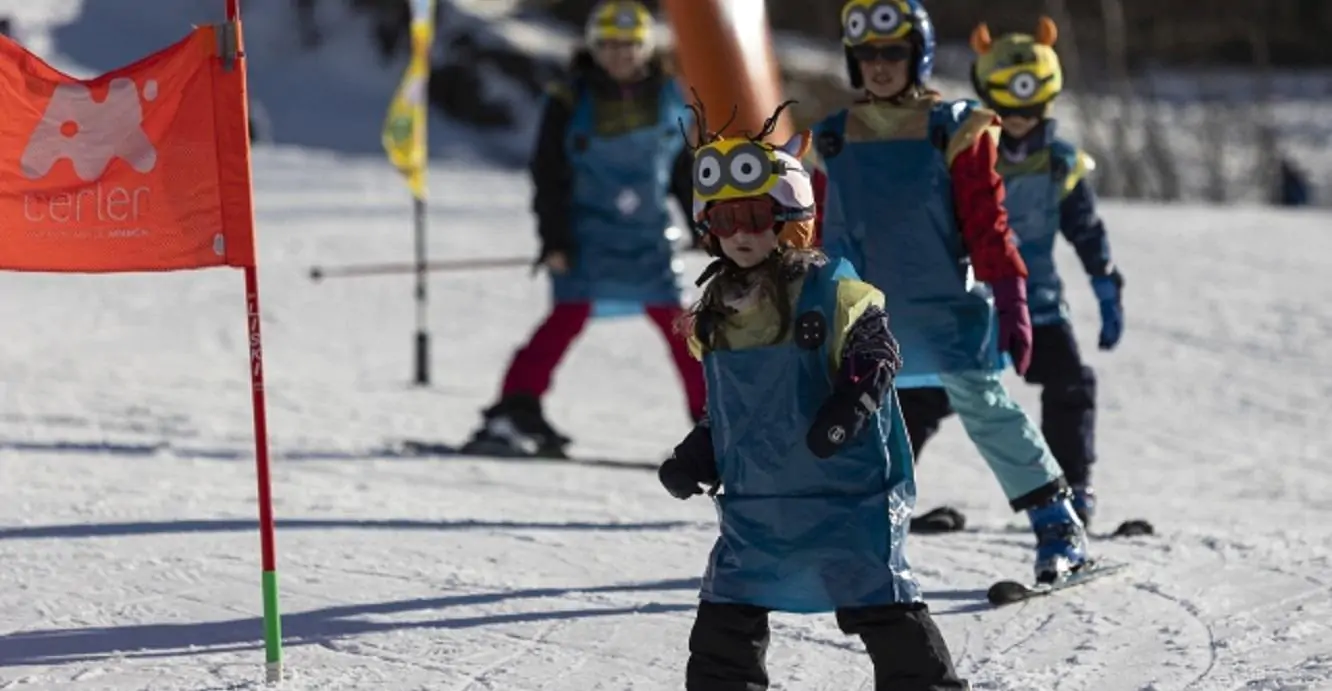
(1061, 540)
(516, 426)
(1084, 504)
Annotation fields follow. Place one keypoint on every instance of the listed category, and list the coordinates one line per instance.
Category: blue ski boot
(1061, 540)
(1084, 504)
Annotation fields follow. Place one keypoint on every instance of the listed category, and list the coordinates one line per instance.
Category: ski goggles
(754, 216)
(608, 44)
(888, 52)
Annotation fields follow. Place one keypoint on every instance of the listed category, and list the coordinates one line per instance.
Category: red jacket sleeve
(978, 198)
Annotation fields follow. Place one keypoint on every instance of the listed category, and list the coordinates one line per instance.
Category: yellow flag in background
(405, 127)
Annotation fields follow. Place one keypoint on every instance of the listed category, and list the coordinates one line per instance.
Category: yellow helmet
(1018, 74)
(620, 20)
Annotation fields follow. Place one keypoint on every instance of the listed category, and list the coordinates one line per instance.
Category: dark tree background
(1158, 32)
(1220, 100)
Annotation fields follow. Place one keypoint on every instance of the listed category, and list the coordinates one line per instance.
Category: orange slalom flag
(144, 168)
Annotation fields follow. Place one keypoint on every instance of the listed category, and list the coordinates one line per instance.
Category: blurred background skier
(1047, 194)
(912, 198)
(608, 156)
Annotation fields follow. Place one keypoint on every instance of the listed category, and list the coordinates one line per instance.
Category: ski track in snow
(129, 551)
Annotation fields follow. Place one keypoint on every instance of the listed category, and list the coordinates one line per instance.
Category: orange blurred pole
(724, 49)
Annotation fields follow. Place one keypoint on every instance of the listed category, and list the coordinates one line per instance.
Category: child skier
(1019, 76)
(607, 157)
(803, 438)
(914, 202)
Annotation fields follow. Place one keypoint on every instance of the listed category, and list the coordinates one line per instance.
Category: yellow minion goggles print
(866, 21)
(735, 169)
(620, 22)
(1021, 85)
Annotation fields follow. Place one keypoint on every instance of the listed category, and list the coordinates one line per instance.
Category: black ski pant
(729, 643)
(1068, 403)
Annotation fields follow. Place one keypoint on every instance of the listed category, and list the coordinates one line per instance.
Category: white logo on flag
(91, 134)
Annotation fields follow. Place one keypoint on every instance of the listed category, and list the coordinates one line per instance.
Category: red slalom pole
(267, 529)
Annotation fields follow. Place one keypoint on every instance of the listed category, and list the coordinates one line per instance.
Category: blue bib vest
(621, 184)
(1035, 189)
(889, 210)
(800, 533)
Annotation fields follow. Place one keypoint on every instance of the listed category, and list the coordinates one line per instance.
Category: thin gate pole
(267, 541)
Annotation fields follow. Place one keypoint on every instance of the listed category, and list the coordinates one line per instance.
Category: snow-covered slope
(128, 569)
(128, 550)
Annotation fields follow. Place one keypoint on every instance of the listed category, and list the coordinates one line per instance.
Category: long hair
(724, 278)
(771, 279)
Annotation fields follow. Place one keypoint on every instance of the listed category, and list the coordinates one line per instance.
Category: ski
(419, 448)
(1009, 592)
(1136, 527)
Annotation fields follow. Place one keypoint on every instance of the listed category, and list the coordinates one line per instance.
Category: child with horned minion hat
(1047, 194)
(803, 446)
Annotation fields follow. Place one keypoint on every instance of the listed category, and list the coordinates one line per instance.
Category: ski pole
(318, 273)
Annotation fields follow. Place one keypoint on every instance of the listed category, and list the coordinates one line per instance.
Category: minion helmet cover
(1017, 73)
(620, 20)
(746, 167)
(868, 21)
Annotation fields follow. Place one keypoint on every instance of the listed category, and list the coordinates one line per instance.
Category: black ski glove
(678, 478)
(691, 465)
(840, 420)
